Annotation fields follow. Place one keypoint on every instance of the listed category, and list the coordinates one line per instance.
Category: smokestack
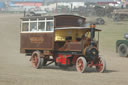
(92, 27)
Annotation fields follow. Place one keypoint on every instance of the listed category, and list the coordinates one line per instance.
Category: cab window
(49, 26)
(33, 26)
(41, 26)
(38, 25)
(25, 27)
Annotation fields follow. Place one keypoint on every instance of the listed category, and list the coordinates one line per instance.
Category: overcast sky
(71, 0)
(68, 0)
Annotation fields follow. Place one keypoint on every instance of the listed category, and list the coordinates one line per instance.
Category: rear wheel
(101, 65)
(123, 50)
(81, 64)
(36, 60)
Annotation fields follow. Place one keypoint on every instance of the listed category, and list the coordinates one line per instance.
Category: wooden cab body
(53, 33)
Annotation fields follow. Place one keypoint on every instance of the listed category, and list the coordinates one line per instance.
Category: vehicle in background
(120, 14)
(122, 46)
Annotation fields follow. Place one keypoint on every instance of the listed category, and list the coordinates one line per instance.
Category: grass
(111, 32)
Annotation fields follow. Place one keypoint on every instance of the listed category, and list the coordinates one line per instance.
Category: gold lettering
(36, 39)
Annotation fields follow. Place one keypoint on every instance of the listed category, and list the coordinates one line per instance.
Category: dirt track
(15, 68)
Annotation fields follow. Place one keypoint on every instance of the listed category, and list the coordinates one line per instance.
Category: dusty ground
(15, 68)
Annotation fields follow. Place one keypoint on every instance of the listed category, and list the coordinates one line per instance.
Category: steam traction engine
(61, 39)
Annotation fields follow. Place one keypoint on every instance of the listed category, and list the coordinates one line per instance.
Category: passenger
(34, 30)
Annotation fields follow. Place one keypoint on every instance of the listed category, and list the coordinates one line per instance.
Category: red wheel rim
(34, 60)
(80, 65)
(100, 66)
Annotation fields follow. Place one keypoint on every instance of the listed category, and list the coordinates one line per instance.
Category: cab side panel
(36, 41)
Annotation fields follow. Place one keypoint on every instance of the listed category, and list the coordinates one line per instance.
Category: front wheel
(101, 65)
(123, 50)
(81, 64)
